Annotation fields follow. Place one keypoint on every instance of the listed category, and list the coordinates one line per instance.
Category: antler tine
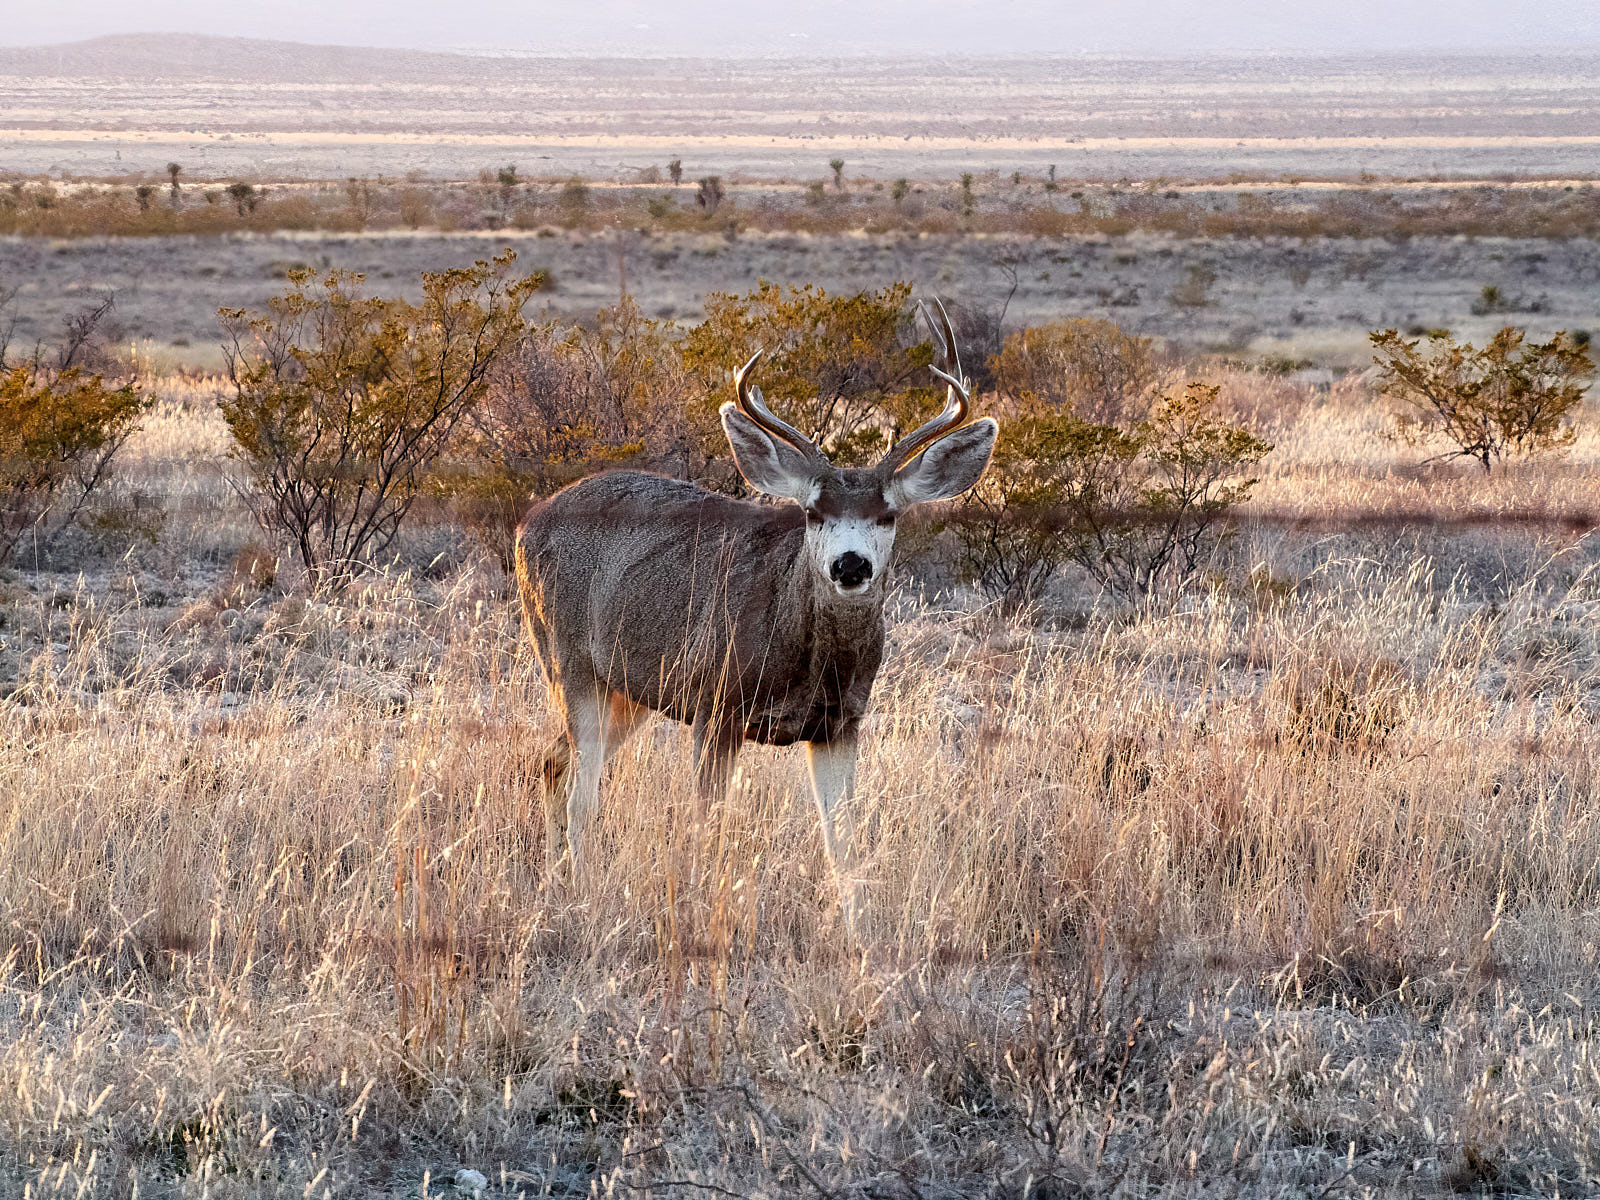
(754, 407)
(958, 393)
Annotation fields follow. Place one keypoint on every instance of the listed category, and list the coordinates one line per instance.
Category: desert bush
(1506, 399)
(838, 368)
(1140, 508)
(41, 208)
(343, 405)
(416, 208)
(709, 193)
(61, 423)
(574, 201)
(1089, 366)
(562, 403)
(59, 431)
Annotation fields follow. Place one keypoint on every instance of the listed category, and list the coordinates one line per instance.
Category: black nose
(850, 569)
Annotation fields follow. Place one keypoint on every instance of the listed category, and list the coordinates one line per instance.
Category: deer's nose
(850, 570)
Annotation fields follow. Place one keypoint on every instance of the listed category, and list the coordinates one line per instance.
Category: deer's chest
(823, 697)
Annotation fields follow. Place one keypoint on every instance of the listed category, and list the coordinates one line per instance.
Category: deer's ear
(767, 464)
(947, 468)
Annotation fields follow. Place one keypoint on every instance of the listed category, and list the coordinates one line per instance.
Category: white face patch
(836, 539)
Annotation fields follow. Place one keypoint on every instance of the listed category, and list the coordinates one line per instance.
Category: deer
(747, 621)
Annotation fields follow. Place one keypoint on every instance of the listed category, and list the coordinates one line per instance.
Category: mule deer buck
(747, 621)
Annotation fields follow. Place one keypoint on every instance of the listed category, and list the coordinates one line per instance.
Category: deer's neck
(837, 635)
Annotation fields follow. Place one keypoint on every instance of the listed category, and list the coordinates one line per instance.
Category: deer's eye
(813, 517)
(886, 521)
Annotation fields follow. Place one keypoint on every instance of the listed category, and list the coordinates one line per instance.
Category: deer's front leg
(833, 782)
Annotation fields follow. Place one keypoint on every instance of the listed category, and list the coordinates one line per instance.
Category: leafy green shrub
(343, 406)
(1508, 398)
(1139, 507)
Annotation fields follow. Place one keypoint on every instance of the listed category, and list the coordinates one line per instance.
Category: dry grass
(1292, 890)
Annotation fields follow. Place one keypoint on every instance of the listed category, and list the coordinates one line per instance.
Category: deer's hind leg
(599, 722)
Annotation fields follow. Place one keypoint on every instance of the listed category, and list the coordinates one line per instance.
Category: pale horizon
(1145, 28)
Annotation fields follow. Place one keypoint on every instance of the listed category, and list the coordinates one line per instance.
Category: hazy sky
(834, 26)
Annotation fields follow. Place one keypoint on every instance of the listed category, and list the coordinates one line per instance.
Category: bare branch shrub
(1504, 400)
(343, 406)
(563, 403)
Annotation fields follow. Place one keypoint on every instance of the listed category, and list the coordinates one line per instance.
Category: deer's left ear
(767, 464)
(947, 468)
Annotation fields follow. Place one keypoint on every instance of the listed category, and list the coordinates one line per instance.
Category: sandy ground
(324, 155)
(271, 110)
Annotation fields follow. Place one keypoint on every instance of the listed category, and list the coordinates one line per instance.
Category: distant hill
(155, 56)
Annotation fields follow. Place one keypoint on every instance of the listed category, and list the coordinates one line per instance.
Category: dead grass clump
(1336, 703)
(253, 570)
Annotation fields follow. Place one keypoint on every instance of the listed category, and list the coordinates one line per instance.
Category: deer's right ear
(767, 464)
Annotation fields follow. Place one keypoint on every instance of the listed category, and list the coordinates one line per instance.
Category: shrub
(1140, 507)
(709, 193)
(343, 405)
(836, 367)
(1503, 400)
(244, 197)
(1089, 366)
(562, 404)
(59, 431)
(574, 201)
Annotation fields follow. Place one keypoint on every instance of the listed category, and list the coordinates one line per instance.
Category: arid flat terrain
(1277, 881)
(121, 106)
(1289, 298)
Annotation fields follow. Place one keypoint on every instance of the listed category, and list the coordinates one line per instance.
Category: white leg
(833, 782)
(586, 721)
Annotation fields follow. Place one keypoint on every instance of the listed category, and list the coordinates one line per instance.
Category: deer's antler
(958, 393)
(753, 406)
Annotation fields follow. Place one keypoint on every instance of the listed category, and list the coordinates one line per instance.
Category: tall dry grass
(1292, 887)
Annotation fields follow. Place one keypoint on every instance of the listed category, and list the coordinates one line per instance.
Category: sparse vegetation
(1257, 863)
(1287, 887)
(344, 405)
(1091, 367)
(1528, 212)
(1508, 398)
(566, 402)
(1138, 506)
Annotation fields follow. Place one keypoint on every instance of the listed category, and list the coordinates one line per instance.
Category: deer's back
(648, 582)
